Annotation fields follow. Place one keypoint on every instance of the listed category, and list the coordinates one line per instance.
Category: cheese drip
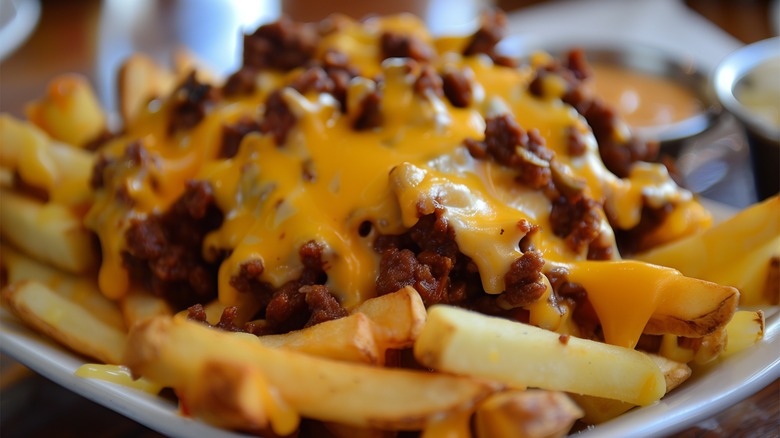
(625, 294)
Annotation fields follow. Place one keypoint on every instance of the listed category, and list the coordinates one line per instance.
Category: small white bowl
(763, 135)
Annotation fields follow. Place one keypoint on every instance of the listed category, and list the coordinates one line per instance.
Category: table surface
(91, 37)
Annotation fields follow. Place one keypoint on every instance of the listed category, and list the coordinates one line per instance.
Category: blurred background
(41, 38)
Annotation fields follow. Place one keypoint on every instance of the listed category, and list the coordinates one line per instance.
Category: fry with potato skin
(81, 289)
(172, 352)
(632, 297)
(526, 414)
(49, 232)
(64, 320)
(350, 339)
(399, 317)
(753, 234)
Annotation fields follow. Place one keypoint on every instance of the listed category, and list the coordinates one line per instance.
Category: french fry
(237, 396)
(6, 178)
(451, 426)
(753, 234)
(50, 232)
(399, 317)
(598, 410)
(699, 311)
(349, 339)
(172, 352)
(526, 414)
(632, 297)
(69, 112)
(521, 356)
(81, 289)
(64, 320)
(139, 304)
(388, 321)
(62, 171)
(745, 329)
(141, 80)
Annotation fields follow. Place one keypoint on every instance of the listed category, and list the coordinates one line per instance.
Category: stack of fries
(500, 362)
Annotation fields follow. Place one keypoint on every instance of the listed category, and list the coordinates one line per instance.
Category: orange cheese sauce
(624, 294)
(415, 161)
(643, 99)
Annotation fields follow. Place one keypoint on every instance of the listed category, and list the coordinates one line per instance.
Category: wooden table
(66, 40)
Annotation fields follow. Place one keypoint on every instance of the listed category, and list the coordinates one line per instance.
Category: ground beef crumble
(574, 216)
(429, 82)
(618, 154)
(631, 241)
(282, 45)
(508, 144)
(190, 103)
(577, 299)
(395, 45)
(233, 134)
(427, 258)
(457, 88)
(164, 251)
(299, 303)
(277, 118)
(491, 31)
(577, 221)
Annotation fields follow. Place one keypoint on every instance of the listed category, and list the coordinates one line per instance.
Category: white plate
(721, 386)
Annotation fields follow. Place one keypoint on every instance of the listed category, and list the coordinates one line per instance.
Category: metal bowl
(661, 64)
(733, 69)
(763, 136)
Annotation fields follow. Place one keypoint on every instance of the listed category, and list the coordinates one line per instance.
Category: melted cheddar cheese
(413, 163)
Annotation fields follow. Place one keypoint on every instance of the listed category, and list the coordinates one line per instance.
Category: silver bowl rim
(736, 66)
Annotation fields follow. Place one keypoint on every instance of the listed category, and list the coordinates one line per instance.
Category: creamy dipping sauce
(643, 99)
(759, 91)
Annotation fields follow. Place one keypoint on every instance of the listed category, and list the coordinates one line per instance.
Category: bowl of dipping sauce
(747, 83)
(661, 97)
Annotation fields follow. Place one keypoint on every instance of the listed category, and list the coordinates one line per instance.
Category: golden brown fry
(746, 328)
(522, 355)
(632, 297)
(736, 252)
(6, 178)
(350, 339)
(390, 321)
(237, 396)
(69, 111)
(597, 410)
(172, 352)
(65, 321)
(49, 232)
(702, 309)
(399, 317)
(81, 289)
(140, 81)
(526, 414)
(451, 426)
(139, 304)
(62, 171)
